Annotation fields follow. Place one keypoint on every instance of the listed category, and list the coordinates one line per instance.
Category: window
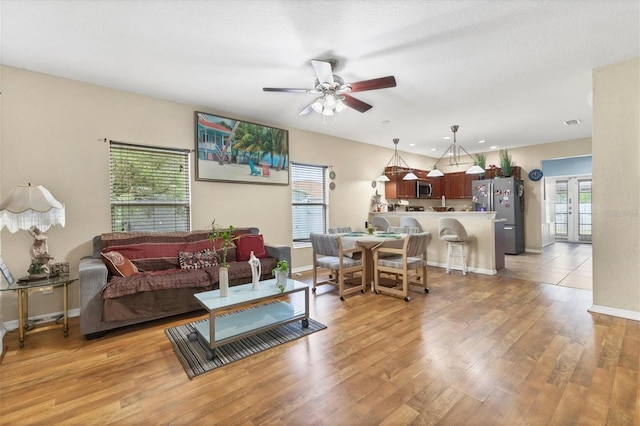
(149, 188)
(309, 201)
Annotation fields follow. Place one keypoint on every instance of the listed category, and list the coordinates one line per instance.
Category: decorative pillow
(250, 243)
(118, 264)
(198, 260)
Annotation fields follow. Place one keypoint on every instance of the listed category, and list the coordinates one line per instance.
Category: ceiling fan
(334, 92)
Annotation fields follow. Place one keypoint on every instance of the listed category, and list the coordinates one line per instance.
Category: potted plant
(281, 272)
(227, 239)
(505, 163)
(481, 159)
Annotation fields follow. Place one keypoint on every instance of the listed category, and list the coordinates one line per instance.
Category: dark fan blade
(275, 89)
(376, 83)
(356, 104)
(323, 71)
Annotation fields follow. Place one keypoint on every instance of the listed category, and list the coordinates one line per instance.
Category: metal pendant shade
(454, 158)
(28, 206)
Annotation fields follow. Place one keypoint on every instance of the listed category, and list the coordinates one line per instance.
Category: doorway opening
(572, 202)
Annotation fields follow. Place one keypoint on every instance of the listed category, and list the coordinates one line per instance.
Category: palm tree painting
(237, 151)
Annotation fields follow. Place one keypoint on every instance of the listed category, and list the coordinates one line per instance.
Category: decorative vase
(223, 279)
(281, 279)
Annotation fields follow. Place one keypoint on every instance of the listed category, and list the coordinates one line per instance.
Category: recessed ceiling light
(572, 122)
(433, 149)
(493, 147)
(412, 144)
(481, 141)
(446, 138)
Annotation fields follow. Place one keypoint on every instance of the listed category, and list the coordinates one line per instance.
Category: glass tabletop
(23, 283)
(243, 294)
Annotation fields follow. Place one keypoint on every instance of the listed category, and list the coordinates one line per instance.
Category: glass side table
(23, 287)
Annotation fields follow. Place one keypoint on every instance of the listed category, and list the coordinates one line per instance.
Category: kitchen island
(485, 252)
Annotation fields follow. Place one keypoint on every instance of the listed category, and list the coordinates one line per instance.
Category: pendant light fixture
(396, 163)
(454, 158)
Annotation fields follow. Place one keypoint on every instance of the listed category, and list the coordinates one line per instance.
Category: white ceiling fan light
(335, 93)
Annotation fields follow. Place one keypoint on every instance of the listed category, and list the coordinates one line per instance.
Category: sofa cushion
(155, 251)
(118, 264)
(198, 260)
(250, 243)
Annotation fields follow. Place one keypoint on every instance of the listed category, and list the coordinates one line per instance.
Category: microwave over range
(424, 190)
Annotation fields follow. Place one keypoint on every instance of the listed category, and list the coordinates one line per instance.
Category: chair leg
(405, 286)
(315, 279)
(424, 279)
(449, 254)
(464, 259)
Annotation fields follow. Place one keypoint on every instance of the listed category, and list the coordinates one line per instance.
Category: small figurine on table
(256, 271)
(39, 250)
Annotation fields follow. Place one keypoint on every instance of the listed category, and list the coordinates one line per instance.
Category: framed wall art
(229, 150)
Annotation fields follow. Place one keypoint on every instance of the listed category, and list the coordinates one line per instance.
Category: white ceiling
(508, 72)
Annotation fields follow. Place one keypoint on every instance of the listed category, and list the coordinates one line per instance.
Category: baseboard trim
(13, 324)
(530, 250)
(615, 312)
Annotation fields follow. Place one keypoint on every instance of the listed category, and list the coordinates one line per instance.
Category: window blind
(150, 188)
(309, 200)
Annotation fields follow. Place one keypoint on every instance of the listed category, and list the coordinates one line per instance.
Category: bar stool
(453, 232)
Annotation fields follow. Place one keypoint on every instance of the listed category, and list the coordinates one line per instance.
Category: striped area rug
(193, 357)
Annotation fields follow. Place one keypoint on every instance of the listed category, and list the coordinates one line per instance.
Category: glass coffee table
(263, 311)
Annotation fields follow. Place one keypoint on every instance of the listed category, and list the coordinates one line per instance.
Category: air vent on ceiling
(571, 122)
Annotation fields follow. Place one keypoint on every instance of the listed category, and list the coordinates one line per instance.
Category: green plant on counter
(505, 163)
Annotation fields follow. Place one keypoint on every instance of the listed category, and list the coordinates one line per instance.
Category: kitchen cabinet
(397, 188)
(437, 186)
(456, 185)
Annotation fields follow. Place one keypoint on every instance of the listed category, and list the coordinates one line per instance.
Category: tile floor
(565, 264)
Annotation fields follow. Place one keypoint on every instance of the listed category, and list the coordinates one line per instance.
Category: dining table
(369, 242)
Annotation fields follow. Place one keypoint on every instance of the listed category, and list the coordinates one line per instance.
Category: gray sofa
(100, 312)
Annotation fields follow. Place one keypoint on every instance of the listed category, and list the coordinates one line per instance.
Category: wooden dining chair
(328, 253)
(399, 262)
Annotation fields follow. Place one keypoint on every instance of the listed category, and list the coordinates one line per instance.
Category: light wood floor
(561, 263)
(476, 350)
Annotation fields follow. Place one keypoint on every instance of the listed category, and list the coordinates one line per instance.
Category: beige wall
(50, 132)
(616, 177)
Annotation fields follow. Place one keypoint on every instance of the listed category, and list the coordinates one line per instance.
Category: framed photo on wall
(229, 150)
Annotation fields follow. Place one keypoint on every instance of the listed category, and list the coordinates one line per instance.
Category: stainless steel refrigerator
(505, 196)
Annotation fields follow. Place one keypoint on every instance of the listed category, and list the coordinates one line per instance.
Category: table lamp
(32, 208)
